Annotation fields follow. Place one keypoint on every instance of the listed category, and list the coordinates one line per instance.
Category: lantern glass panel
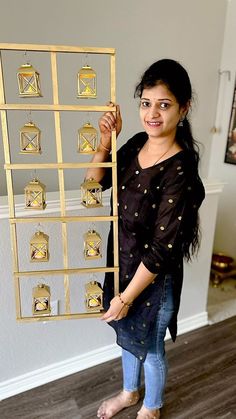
(87, 141)
(30, 139)
(28, 81)
(87, 85)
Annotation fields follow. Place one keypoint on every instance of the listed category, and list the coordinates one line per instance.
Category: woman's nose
(154, 111)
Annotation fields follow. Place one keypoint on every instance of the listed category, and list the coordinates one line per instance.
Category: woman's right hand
(117, 310)
(109, 122)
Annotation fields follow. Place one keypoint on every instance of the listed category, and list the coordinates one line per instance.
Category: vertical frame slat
(114, 176)
(10, 193)
(60, 179)
(6, 146)
(113, 77)
(13, 233)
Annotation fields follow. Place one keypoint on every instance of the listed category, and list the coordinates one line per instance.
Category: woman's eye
(164, 105)
(144, 104)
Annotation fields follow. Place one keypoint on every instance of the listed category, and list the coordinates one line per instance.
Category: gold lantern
(28, 81)
(87, 83)
(30, 139)
(91, 192)
(92, 245)
(87, 139)
(94, 296)
(35, 195)
(39, 247)
(41, 300)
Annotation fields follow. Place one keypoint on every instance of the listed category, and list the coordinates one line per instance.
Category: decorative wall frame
(230, 153)
(56, 107)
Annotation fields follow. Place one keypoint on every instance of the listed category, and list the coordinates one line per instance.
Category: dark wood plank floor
(201, 383)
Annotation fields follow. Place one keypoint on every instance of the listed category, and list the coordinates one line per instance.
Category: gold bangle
(125, 304)
(105, 148)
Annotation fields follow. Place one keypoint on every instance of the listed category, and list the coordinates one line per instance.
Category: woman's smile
(153, 123)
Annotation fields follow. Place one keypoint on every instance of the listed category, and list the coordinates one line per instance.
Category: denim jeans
(155, 365)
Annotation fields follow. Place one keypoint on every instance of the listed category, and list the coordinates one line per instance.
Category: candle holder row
(39, 246)
(29, 82)
(41, 298)
(30, 139)
(35, 194)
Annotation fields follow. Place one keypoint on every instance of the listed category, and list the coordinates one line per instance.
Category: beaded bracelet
(125, 304)
(105, 148)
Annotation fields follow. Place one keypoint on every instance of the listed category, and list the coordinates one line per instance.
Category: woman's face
(160, 112)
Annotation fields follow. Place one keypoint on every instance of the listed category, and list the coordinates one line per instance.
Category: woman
(159, 193)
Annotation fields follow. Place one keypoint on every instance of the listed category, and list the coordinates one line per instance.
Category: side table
(218, 276)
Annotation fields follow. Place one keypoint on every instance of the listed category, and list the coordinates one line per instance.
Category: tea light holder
(39, 247)
(87, 139)
(92, 245)
(28, 81)
(35, 195)
(30, 139)
(87, 83)
(93, 297)
(91, 193)
(41, 300)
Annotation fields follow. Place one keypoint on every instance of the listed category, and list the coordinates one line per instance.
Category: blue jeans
(155, 365)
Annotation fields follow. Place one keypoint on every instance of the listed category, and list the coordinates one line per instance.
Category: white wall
(226, 220)
(187, 30)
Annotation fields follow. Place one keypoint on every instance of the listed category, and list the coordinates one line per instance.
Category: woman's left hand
(117, 310)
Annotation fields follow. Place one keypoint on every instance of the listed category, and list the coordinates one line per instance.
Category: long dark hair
(174, 76)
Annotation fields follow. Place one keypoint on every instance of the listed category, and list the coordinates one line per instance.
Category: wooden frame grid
(60, 166)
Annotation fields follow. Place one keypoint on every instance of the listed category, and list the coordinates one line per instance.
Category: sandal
(112, 406)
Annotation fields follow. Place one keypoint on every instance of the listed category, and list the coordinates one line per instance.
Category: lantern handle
(88, 117)
(39, 228)
(41, 283)
(93, 277)
(29, 117)
(25, 57)
(85, 60)
(34, 175)
(92, 226)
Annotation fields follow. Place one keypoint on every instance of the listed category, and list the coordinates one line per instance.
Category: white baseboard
(62, 369)
(191, 323)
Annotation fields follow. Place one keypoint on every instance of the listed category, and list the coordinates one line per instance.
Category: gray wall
(188, 30)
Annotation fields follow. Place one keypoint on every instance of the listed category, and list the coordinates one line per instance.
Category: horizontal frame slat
(59, 317)
(56, 48)
(55, 107)
(26, 166)
(68, 219)
(70, 271)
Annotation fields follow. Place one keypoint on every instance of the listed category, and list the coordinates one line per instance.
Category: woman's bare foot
(145, 413)
(111, 407)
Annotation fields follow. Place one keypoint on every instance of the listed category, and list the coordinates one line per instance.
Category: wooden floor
(201, 383)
